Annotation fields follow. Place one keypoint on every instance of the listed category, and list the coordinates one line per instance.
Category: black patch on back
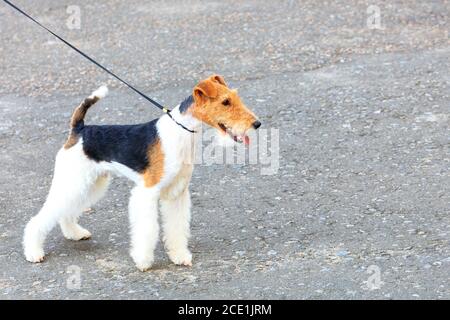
(186, 104)
(125, 144)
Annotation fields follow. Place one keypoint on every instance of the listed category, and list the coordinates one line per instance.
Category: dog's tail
(78, 115)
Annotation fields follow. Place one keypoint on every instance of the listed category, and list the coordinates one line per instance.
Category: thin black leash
(156, 104)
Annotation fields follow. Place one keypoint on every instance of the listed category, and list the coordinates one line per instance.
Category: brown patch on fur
(77, 118)
(80, 112)
(71, 141)
(209, 96)
(153, 173)
(219, 79)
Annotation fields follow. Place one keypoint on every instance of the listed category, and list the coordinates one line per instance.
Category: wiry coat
(157, 156)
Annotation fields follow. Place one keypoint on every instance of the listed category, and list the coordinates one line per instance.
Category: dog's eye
(226, 102)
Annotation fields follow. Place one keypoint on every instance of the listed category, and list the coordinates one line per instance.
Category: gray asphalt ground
(362, 192)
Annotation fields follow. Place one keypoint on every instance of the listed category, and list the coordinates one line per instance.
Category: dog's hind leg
(72, 230)
(99, 188)
(73, 178)
(69, 223)
(37, 229)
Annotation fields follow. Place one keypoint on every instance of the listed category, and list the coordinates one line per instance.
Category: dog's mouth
(237, 138)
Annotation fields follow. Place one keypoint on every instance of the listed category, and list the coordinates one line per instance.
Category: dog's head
(221, 108)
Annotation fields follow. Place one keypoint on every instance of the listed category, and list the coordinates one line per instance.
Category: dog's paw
(143, 263)
(77, 233)
(181, 257)
(143, 267)
(35, 256)
(88, 211)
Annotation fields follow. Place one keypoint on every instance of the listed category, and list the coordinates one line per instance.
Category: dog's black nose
(256, 124)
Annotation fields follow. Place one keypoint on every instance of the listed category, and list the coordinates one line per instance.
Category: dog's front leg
(176, 216)
(143, 210)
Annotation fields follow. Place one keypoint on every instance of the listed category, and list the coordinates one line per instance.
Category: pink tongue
(246, 140)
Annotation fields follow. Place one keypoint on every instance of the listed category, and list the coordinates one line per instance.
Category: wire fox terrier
(155, 155)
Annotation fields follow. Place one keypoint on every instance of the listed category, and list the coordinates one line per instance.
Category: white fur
(79, 182)
(121, 170)
(176, 216)
(143, 209)
(100, 92)
(177, 143)
(178, 147)
(74, 188)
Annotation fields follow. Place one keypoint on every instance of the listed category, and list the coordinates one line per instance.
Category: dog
(155, 155)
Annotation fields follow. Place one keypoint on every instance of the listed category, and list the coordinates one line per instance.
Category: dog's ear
(205, 90)
(219, 79)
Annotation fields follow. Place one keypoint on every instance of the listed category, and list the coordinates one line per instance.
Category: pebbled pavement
(362, 187)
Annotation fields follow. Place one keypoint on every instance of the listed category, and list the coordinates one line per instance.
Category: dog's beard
(223, 139)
